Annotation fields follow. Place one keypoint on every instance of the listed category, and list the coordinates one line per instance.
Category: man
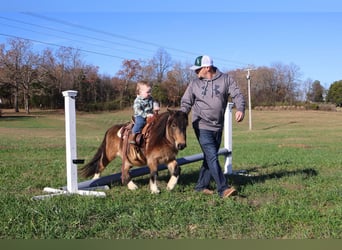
(207, 97)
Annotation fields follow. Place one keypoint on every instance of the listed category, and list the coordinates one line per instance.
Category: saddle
(140, 139)
(135, 151)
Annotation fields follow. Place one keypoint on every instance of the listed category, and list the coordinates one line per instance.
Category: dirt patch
(290, 186)
(299, 145)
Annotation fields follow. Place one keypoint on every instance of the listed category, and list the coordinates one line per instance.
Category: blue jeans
(210, 143)
(139, 123)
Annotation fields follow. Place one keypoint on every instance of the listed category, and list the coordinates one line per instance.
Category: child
(143, 107)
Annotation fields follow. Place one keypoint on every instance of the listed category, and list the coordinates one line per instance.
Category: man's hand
(239, 116)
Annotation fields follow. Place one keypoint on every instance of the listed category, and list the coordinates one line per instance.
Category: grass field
(293, 190)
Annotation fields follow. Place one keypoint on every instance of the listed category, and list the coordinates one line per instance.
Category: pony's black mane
(158, 128)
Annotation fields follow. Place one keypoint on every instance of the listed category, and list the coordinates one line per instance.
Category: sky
(236, 34)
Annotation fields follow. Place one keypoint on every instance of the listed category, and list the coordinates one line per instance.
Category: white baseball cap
(202, 61)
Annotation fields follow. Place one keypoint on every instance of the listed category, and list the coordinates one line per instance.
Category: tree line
(31, 79)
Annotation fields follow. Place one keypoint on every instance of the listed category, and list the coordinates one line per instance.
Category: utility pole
(249, 98)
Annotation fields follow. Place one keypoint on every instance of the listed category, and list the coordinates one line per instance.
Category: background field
(294, 189)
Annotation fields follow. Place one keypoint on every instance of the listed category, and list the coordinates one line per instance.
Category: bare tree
(287, 81)
(270, 85)
(176, 82)
(161, 62)
(129, 72)
(147, 71)
(70, 67)
(7, 75)
(19, 65)
(305, 89)
(48, 90)
(92, 79)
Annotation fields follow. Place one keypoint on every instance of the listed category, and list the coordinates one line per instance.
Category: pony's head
(170, 126)
(177, 123)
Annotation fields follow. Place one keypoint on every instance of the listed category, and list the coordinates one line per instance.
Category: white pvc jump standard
(228, 138)
(71, 152)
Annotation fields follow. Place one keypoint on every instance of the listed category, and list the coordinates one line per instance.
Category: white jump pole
(228, 139)
(70, 139)
(71, 151)
(228, 142)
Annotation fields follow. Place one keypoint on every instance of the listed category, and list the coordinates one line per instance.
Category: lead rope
(124, 151)
(167, 136)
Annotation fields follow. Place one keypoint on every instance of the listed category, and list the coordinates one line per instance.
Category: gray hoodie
(208, 99)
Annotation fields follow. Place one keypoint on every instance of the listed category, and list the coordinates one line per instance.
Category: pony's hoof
(131, 186)
(96, 176)
(156, 191)
(170, 187)
(172, 183)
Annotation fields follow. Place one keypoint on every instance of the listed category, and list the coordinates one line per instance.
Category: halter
(167, 136)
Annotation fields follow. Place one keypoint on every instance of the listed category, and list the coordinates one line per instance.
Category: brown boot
(132, 138)
(139, 139)
(228, 192)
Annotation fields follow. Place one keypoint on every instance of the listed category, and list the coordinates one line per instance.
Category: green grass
(293, 190)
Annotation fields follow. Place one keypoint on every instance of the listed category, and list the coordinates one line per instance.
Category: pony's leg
(131, 185)
(96, 176)
(110, 147)
(174, 170)
(153, 179)
(126, 178)
(153, 185)
(102, 164)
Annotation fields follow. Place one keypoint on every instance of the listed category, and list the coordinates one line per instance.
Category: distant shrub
(306, 106)
(320, 106)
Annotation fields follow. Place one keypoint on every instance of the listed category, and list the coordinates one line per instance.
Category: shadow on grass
(279, 125)
(250, 179)
(251, 176)
(17, 117)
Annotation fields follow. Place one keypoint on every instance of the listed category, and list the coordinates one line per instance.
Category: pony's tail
(91, 167)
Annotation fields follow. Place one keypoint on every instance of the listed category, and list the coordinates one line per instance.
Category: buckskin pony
(167, 135)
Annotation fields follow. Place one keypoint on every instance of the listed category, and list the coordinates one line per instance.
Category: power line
(57, 45)
(74, 34)
(124, 37)
(99, 39)
(104, 32)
